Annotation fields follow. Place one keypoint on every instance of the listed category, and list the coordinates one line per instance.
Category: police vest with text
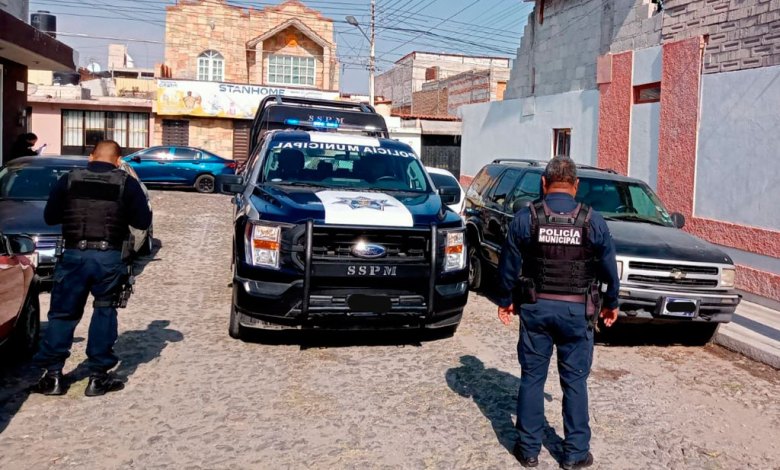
(94, 211)
(561, 259)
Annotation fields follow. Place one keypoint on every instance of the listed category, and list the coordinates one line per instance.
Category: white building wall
(645, 119)
(18, 8)
(738, 169)
(523, 128)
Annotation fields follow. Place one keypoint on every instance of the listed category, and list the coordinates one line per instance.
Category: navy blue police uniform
(95, 206)
(563, 247)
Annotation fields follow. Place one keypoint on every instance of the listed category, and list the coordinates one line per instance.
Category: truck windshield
(342, 166)
(619, 200)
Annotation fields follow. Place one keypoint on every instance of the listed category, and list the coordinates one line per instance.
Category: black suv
(338, 231)
(666, 274)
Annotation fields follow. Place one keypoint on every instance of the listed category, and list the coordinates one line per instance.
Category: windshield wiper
(635, 218)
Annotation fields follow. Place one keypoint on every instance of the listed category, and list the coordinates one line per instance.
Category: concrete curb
(754, 333)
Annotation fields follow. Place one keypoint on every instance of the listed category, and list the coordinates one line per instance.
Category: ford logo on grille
(368, 250)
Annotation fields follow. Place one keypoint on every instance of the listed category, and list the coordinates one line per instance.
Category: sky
(478, 27)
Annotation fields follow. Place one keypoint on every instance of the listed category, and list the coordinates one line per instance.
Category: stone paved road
(197, 399)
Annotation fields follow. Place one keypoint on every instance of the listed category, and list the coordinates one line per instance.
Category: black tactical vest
(94, 209)
(561, 259)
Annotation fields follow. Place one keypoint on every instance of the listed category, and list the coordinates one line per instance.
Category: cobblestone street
(195, 398)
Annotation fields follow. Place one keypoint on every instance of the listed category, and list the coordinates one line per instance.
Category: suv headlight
(620, 269)
(263, 243)
(454, 251)
(728, 277)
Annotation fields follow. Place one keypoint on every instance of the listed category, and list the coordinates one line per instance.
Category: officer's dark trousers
(565, 326)
(76, 275)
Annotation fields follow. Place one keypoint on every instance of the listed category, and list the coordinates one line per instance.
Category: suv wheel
(28, 328)
(204, 184)
(475, 268)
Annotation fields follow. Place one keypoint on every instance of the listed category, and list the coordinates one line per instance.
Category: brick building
(236, 57)
(682, 94)
(438, 84)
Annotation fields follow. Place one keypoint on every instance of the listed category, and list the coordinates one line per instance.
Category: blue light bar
(292, 122)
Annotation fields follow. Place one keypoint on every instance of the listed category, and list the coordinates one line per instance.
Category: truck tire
(475, 268)
(24, 341)
(234, 328)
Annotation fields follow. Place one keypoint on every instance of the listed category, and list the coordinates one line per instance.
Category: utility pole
(371, 58)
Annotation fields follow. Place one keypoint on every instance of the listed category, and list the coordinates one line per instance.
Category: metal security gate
(442, 151)
(175, 132)
(241, 140)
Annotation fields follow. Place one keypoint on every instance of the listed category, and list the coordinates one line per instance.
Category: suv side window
(504, 188)
(528, 190)
(482, 182)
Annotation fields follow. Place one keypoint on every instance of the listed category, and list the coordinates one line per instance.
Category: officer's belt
(92, 245)
(576, 298)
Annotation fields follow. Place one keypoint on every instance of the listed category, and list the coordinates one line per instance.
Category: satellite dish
(94, 67)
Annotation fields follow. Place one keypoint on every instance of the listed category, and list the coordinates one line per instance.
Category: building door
(442, 151)
(175, 132)
(241, 139)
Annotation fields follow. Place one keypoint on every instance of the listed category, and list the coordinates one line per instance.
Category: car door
(12, 289)
(151, 165)
(495, 214)
(187, 163)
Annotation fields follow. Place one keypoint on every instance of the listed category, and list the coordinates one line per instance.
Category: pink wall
(615, 115)
(47, 125)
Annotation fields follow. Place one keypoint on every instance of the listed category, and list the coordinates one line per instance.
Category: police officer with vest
(555, 256)
(95, 205)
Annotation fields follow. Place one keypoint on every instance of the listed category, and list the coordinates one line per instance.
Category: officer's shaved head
(561, 176)
(106, 151)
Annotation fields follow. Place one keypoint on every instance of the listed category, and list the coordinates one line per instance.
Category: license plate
(369, 303)
(680, 307)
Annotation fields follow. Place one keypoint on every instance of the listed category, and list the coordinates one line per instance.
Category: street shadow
(495, 394)
(650, 334)
(134, 348)
(15, 381)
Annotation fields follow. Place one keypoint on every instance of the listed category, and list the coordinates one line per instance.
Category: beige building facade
(245, 55)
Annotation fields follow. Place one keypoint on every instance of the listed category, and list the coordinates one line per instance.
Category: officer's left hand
(505, 314)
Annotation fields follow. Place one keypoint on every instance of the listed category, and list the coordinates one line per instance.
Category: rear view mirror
(21, 244)
(135, 159)
(449, 194)
(230, 184)
(678, 219)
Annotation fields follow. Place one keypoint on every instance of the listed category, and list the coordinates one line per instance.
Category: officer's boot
(102, 383)
(50, 384)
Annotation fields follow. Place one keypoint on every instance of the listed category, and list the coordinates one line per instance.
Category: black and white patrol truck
(338, 230)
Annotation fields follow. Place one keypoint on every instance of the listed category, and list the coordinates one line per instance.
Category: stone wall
(742, 34)
(430, 102)
(239, 34)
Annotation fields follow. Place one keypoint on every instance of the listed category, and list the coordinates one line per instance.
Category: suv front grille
(44, 242)
(670, 281)
(686, 268)
(336, 244)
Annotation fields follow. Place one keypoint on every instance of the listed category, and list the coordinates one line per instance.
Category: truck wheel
(234, 329)
(25, 336)
(475, 269)
(701, 333)
(204, 184)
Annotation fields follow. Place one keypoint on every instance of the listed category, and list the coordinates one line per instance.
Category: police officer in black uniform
(95, 206)
(556, 253)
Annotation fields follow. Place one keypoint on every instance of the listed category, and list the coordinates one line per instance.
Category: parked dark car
(667, 275)
(19, 308)
(180, 166)
(25, 184)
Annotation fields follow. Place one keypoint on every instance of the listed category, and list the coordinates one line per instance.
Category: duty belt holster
(593, 305)
(123, 292)
(524, 293)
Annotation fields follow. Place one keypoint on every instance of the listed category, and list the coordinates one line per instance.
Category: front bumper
(642, 304)
(320, 294)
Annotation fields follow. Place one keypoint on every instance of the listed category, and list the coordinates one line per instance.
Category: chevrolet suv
(666, 274)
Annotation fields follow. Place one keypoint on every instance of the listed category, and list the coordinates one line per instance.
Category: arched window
(211, 66)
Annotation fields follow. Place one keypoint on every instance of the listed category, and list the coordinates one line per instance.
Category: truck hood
(344, 207)
(25, 217)
(643, 240)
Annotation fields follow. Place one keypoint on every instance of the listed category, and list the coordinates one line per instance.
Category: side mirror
(520, 204)
(449, 194)
(678, 219)
(136, 159)
(21, 244)
(231, 184)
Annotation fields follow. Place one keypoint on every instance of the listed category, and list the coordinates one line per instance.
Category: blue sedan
(180, 166)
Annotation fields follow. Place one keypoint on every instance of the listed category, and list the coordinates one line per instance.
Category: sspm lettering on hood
(363, 149)
(560, 236)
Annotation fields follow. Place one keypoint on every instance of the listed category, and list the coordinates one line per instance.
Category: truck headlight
(264, 244)
(620, 269)
(728, 277)
(454, 251)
